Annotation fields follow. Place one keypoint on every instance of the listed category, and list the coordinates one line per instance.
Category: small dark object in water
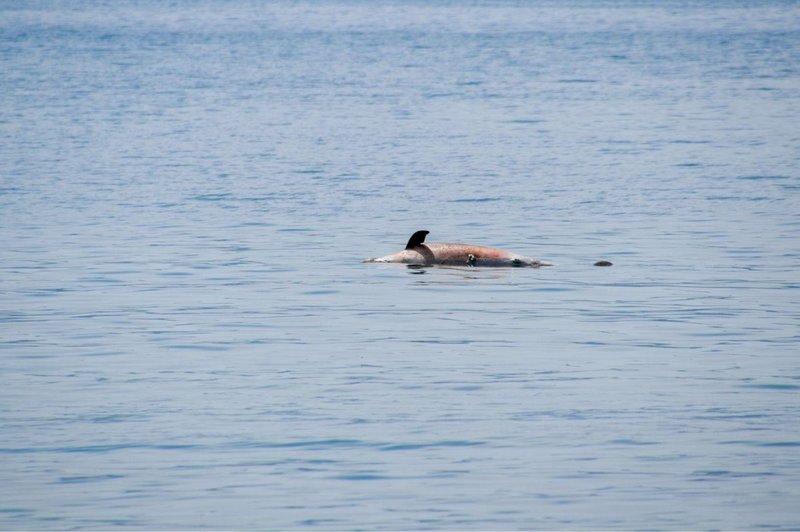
(603, 263)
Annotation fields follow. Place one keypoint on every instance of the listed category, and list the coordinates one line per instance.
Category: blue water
(189, 340)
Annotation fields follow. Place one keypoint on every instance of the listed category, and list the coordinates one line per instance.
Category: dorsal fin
(416, 239)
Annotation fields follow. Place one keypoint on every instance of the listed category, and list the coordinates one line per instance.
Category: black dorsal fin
(416, 239)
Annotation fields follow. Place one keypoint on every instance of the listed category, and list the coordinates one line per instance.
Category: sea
(190, 341)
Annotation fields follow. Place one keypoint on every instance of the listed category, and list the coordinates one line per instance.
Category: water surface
(189, 340)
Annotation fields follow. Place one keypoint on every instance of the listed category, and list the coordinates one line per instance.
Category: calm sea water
(188, 338)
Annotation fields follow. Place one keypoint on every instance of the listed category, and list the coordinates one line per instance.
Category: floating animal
(418, 253)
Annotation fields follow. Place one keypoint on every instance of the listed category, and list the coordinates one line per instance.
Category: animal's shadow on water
(448, 273)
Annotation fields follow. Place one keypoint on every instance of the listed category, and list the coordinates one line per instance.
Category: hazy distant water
(188, 338)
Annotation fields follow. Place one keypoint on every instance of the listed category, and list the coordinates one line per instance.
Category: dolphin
(417, 253)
